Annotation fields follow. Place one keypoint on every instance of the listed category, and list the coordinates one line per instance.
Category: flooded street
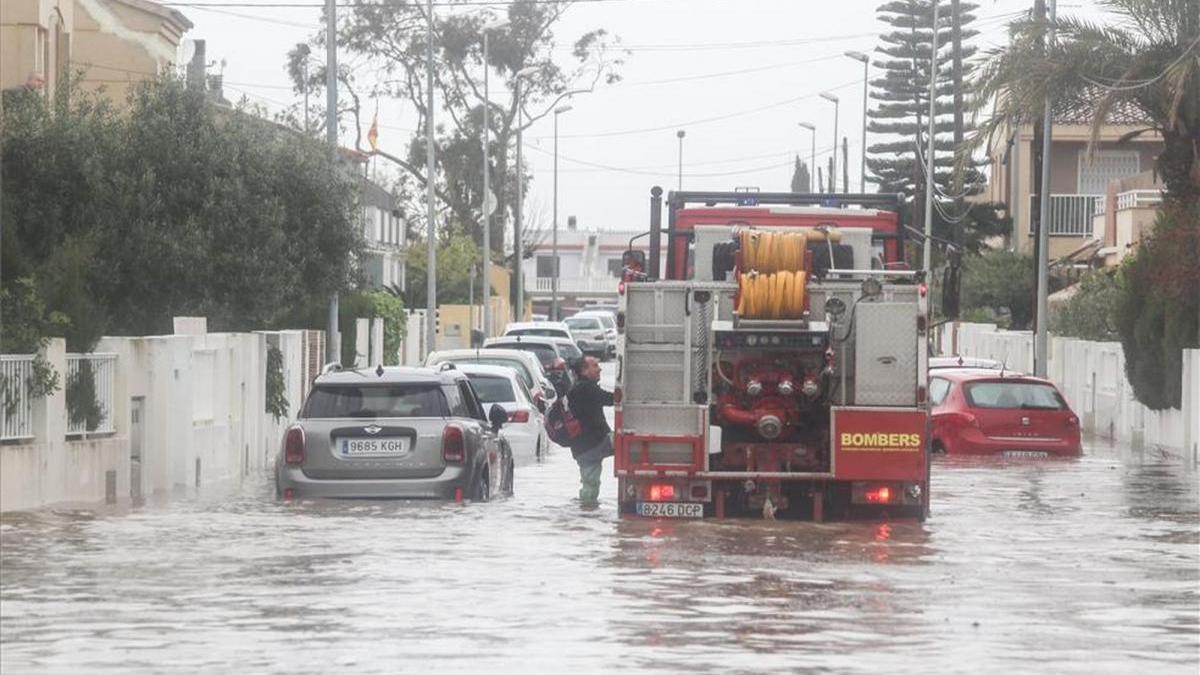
(1024, 566)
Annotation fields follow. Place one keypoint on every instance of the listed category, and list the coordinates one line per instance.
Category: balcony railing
(1070, 215)
(577, 284)
(1138, 199)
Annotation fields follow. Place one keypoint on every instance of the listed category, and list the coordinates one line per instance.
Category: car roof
(582, 315)
(515, 354)
(524, 339)
(981, 375)
(389, 375)
(540, 325)
(484, 369)
(964, 362)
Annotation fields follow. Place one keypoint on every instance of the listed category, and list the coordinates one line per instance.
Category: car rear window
(583, 324)
(492, 389)
(506, 363)
(569, 351)
(1023, 395)
(375, 400)
(607, 320)
(540, 332)
(545, 353)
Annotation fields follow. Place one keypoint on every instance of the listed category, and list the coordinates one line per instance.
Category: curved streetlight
(518, 248)
(812, 169)
(833, 173)
(489, 202)
(680, 134)
(554, 236)
(866, 61)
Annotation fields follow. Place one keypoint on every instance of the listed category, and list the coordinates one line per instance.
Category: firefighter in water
(587, 402)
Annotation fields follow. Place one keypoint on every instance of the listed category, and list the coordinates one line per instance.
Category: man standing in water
(587, 402)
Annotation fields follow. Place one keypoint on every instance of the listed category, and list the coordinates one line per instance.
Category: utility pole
(680, 134)
(833, 167)
(812, 169)
(554, 232)
(489, 203)
(926, 260)
(956, 75)
(862, 174)
(1040, 347)
(430, 227)
(518, 246)
(332, 338)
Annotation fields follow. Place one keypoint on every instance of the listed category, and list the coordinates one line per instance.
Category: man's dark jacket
(587, 402)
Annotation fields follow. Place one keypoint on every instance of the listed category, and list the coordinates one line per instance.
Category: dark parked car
(395, 433)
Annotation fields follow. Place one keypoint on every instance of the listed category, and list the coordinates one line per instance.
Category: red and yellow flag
(373, 132)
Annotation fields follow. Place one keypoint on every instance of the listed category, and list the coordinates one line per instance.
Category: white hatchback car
(525, 429)
(525, 363)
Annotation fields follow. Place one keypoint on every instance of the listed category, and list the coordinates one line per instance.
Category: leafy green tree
(801, 181)
(1091, 312)
(172, 207)
(455, 256)
(901, 96)
(391, 37)
(1001, 282)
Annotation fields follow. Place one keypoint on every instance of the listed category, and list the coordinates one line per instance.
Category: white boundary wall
(203, 420)
(1092, 377)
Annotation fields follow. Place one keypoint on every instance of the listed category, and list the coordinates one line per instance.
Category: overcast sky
(789, 50)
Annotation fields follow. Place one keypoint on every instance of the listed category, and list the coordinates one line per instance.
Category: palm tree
(1148, 58)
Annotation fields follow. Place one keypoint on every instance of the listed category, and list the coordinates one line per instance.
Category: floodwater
(1024, 566)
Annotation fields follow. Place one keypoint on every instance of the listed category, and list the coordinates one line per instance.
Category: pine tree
(899, 114)
(801, 180)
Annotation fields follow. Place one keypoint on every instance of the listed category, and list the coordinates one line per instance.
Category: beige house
(114, 43)
(1079, 180)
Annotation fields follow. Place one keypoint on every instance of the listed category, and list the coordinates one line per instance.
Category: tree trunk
(1179, 167)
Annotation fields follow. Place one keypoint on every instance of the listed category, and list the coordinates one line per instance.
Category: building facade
(1079, 177)
(589, 266)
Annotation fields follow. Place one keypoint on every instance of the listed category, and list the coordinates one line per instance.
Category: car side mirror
(497, 416)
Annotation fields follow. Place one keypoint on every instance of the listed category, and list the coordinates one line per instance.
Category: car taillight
(617, 395)
(1072, 421)
(879, 495)
(659, 493)
(293, 446)
(454, 445)
(970, 419)
(621, 288)
(519, 416)
(923, 289)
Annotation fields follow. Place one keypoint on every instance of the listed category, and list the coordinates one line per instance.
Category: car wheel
(508, 478)
(483, 488)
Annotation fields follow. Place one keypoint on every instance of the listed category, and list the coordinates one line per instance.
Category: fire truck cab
(778, 367)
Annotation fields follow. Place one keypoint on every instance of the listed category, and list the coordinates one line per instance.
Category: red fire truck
(778, 366)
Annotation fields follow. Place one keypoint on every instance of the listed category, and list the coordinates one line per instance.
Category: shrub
(1090, 313)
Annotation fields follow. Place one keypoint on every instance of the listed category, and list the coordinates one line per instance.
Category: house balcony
(1069, 215)
(1123, 220)
(580, 286)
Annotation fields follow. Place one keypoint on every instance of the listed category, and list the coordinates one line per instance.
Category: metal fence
(103, 369)
(1070, 215)
(16, 406)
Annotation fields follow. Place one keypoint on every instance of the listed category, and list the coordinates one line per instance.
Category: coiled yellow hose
(779, 295)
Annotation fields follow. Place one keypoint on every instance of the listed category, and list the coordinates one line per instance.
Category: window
(384, 400)
(545, 266)
(493, 389)
(1096, 171)
(471, 401)
(938, 388)
(615, 267)
(458, 405)
(583, 323)
(1014, 395)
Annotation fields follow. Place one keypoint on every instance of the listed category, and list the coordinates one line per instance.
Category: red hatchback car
(985, 412)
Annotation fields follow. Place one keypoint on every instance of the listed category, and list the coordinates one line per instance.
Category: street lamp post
(680, 134)
(833, 174)
(489, 202)
(554, 231)
(333, 352)
(518, 246)
(430, 225)
(812, 169)
(866, 61)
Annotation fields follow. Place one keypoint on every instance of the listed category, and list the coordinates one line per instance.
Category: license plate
(1026, 454)
(373, 447)
(670, 509)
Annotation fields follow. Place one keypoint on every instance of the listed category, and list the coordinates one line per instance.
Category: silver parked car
(525, 363)
(395, 433)
(590, 335)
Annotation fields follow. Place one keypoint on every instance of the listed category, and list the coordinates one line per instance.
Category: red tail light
(519, 416)
(923, 289)
(880, 495)
(454, 445)
(659, 493)
(618, 395)
(293, 446)
(621, 288)
(1072, 421)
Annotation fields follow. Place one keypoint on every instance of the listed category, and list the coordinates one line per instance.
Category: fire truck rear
(778, 367)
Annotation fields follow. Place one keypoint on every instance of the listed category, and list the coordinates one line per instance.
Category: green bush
(1001, 283)
(1090, 314)
(372, 305)
(1158, 312)
(277, 403)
